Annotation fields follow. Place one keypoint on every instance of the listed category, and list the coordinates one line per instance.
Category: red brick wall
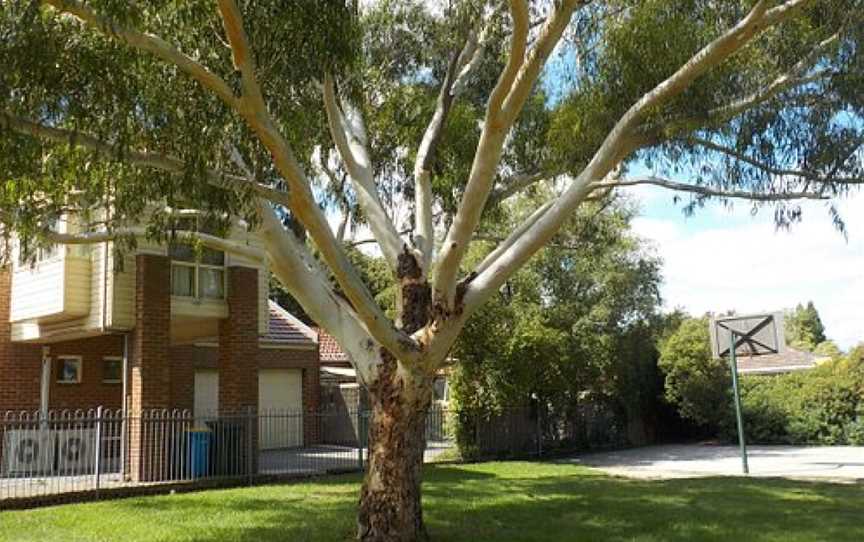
(238, 342)
(163, 376)
(150, 385)
(20, 364)
(150, 381)
(91, 391)
(183, 376)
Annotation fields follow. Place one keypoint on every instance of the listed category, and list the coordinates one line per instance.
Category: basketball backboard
(755, 334)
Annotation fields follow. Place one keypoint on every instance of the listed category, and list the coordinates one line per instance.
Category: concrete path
(834, 463)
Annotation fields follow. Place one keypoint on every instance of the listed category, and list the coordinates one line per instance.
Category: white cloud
(713, 264)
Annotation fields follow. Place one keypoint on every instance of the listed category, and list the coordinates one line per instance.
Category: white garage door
(280, 403)
(206, 394)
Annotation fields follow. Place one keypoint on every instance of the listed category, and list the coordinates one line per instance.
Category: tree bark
(390, 503)
(390, 499)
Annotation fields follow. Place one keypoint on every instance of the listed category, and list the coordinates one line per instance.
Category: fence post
(98, 451)
(249, 444)
(360, 442)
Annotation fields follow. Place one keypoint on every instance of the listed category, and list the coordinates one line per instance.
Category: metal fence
(75, 451)
(532, 431)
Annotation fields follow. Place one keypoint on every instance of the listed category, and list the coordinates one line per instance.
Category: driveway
(835, 463)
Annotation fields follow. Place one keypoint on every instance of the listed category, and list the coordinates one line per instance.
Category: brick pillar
(238, 343)
(20, 364)
(150, 382)
(238, 372)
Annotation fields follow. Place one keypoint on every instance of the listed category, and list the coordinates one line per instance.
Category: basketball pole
(737, 394)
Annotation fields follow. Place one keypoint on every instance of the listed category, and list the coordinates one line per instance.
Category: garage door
(206, 394)
(280, 403)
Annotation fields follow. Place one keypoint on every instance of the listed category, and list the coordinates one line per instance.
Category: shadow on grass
(492, 501)
(591, 506)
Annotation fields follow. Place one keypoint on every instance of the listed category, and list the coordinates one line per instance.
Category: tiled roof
(285, 328)
(330, 349)
(788, 361)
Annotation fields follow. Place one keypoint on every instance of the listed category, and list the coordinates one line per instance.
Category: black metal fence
(77, 451)
(69, 452)
(533, 431)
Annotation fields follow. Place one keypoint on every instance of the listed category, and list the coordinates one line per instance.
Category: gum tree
(128, 114)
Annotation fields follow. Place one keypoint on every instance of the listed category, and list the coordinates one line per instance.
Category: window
(41, 254)
(440, 390)
(112, 370)
(200, 275)
(69, 369)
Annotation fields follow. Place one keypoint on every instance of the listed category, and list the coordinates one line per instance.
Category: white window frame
(197, 267)
(79, 360)
(106, 359)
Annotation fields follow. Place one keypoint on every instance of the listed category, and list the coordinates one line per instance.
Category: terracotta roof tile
(330, 349)
(285, 328)
(790, 360)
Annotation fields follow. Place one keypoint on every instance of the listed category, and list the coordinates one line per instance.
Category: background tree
(575, 325)
(697, 383)
(120, 113)
(804, 328)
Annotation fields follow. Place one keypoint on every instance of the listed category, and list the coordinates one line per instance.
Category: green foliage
(821, 406)
(577, 324)
(696, 383)
(828, 349)
(824, 405)
(63, 74)
(804, 329)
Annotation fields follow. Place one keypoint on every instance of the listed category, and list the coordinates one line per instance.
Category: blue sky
(725, 259)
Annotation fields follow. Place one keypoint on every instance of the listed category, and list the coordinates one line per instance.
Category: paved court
(835, 463)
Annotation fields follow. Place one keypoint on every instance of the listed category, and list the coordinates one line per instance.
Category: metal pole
(250, 448)
(98, 458)
(737, 394)
(124, 412)
(360, 442)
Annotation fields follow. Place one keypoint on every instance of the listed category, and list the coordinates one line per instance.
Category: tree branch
(705, 190)
(308, 283)
(299, 199)
(153, 160)
(517, 183)
(209, 241)
(458, 72)
(619, 143)
(243, 57)
(773, 170)
(356, 159)
(149, 43)
(788, 80)
(510, 91)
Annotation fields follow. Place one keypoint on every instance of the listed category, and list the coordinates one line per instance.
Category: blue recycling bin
(199, 453)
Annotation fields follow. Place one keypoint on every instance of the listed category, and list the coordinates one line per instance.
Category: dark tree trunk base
(390, 500)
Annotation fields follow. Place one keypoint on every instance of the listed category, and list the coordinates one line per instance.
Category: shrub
(695, 383)
(824, 405)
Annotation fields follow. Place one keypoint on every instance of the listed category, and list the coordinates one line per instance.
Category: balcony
(57, 287)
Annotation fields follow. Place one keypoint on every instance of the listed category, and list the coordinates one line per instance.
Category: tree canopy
(415, 120)
(804, 328)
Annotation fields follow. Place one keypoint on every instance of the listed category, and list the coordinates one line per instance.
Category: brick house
(168, 329)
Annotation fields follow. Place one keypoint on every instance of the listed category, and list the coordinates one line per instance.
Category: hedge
(824, 405)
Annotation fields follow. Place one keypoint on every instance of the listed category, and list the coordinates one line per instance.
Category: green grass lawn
(490, 501)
